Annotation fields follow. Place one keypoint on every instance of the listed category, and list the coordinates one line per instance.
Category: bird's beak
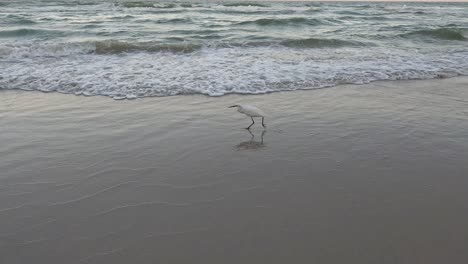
(232, 106)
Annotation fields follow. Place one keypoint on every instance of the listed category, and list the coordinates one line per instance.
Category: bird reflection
(252, 144)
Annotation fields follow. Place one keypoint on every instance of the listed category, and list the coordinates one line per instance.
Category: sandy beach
(373, 173)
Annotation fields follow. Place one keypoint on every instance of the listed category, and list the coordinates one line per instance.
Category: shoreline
(462, 78)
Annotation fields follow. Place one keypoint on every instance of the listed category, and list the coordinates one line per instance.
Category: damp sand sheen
(357, 174)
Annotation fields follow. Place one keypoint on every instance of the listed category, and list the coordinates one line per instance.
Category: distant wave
(246, 4)
(167, 10)
(283, 21)
(314, 10)
(170, 21)
(84, 3)
(440, 33)
(319, 43)
(24, 22)
(361, 18)
(115, 47)
(14, 19)
(137, 4)
(122, 17)
(143, 4)
(232, 11)
(26, 32)
(354, 13)
(166, 6)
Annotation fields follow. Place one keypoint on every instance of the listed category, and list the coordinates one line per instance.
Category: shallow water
(367, 174)
(131, 49)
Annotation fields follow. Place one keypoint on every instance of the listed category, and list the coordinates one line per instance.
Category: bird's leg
(263, 124)
(253, 122)
(252, 136)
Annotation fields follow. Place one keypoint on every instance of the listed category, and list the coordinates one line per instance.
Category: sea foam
(220, 71)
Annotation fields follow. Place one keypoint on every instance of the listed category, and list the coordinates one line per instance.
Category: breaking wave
(220, 71)
(179, 46)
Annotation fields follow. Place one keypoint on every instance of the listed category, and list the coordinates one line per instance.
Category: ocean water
(132, 49)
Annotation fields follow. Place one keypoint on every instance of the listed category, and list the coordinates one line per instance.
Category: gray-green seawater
(130, 49)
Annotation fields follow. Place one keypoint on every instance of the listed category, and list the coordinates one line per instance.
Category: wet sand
(374, 173)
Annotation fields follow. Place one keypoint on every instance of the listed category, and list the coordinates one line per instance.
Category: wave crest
(256, 4)
(141, 4)
(116, 47)
(283, 21)
(318, 43)
(173, 45)
(440, 33)
(24, 32)
(137, 4)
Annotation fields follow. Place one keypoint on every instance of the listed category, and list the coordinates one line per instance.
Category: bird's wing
(252, 111)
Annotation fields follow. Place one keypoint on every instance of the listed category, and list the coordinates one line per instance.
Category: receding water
(130, 49)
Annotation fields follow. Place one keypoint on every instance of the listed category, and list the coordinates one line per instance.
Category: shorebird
(251, 111)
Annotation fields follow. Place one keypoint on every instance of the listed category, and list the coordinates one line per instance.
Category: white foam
(218, 71)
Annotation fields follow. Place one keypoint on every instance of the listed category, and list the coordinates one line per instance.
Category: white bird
(251, 111)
